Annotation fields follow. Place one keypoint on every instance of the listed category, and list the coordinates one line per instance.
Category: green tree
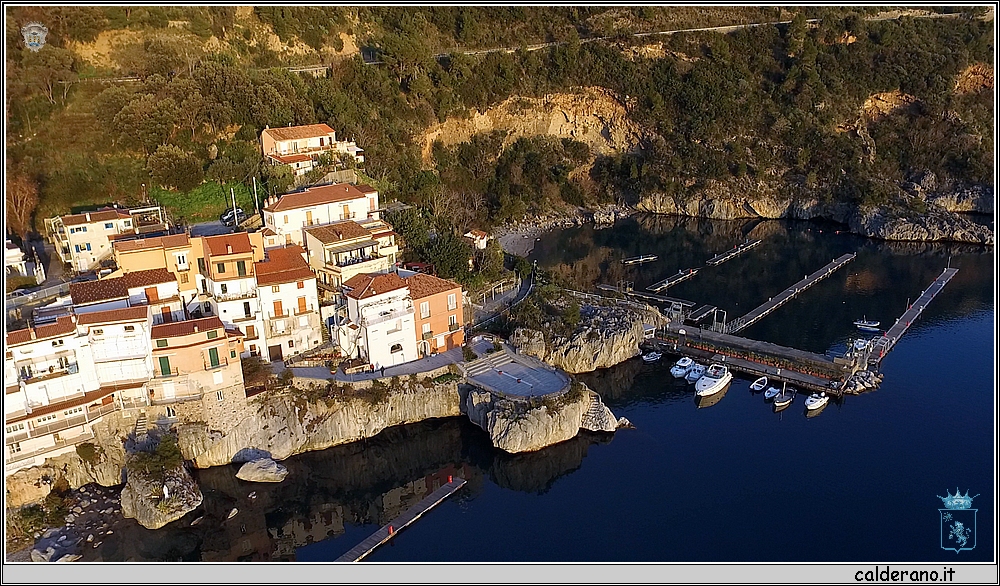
(450, 255)
(49, 69)
(171, 167)
(145, 122)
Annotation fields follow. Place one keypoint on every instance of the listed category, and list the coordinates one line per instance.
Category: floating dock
(731, 254)
(387, 532)
(649, 297)
(885, 344)
(701, 313)
(638, 260)
(680, 277)
(787, 295)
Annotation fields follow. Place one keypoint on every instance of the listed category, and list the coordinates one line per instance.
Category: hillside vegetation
(767, 102)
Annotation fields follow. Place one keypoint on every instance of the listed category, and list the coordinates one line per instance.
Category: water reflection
(708, 401)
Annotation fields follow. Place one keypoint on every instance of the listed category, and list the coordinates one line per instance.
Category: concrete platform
(508, 373)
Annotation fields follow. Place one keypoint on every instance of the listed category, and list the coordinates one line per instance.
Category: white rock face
(262, 470)
(283, 426)
(152, 513)
(514, 427)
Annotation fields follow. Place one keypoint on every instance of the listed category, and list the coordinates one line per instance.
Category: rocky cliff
(607, 335)
(154, 501)
(285, 424)
(522, 426)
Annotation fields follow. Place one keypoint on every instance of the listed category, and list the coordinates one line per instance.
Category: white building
(300, 147)
(289, 301)
(289, 215)
(156, 288)
(84, 240)
(380, 326)
(16, 263)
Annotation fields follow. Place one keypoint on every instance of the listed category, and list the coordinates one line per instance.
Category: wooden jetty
(634, 260)
(387, 532)
(731, 254)
(883, 345)
(672, 280)
(788, 294)
(648, 297)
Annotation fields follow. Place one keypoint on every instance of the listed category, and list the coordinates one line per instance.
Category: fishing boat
(771, 393)
(714, 380)
(651, 356)
(816, 401)
(866, 325)
(682, 367)
(785, 397)
(695, 373)
(759, 384)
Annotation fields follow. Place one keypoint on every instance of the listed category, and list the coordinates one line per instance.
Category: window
(182, 261)
(182, 278)
(425, 329)
(451, 302)
(171, 412)
(220, 396)
(241, 268)
(213, 357)
(425, 309)
(251, 332)
(76, 248)
(291, 343)
(300, 285)
(220, 267)
(212, 334)
(129, 328)
(73, 411)
(396, 348)
(452, 320)
(109, 226)
(128, 223)
(99, 332)
(208, 307)
(223, 288)
(83, 229)
(253, 349)
(246, 309)
(164, 365)
(15, 447)
(15, 428)
(88, 246)
(57, 342)
(232, 353)
(44, 418)
(161, 343)
(275, 288)
(201, 265)
(286, 218)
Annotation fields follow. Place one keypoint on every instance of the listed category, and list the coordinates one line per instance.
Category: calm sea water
(729, 482)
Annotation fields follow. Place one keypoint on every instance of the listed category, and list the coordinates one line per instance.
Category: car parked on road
(233, 216)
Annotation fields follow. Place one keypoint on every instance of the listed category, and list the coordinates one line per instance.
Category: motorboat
(703, 401)
(759, 384)
(695, 373)
(714, 380)
(785, 397)
(816, 401)
(771, 393)
(682, 367)
(651, 356)
(866, 325)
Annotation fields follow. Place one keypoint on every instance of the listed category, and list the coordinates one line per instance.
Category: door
(302, 304)
(167, 316)
(347, 212)
(309, 216)
(278, 309)
(274, 352)
(164, 365)
(151, 296)
(213, 356)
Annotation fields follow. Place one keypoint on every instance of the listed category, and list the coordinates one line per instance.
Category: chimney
(31, 332)
(88, 216)
(229, 249)
(196, 328)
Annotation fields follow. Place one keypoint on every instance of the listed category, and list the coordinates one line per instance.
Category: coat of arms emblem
(34, 35)
(958, 522)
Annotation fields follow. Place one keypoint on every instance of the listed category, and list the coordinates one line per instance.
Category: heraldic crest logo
(958, 521)
(34, 35)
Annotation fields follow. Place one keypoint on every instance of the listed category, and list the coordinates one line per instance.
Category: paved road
(212, 228)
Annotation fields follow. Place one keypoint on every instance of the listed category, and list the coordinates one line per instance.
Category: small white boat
(784, 398)
(233, 513)
(682, 367)
(866, 325)
(759, 384)
(651, 356)
(695, 373)
(771, 393)
(715, 379)
(816, 401)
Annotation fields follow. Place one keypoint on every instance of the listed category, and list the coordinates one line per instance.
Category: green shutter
(165, 365)
(241, 268)
(213, 356)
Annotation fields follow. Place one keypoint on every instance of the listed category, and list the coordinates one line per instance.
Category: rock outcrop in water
(154, 501)
(262, 470)
(606, 336)
(521, 426)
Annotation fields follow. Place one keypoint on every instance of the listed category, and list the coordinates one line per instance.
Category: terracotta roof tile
(171, 241)
(286, 159)
(64, 325)
(183, 328)
(423, 285)
(113, 315)
(100, 290)
(316, 196)
(228, 244)
(283, 265)
(148, 277)
(98, 216)
(364, 286)
(339, 231)
(299, 132)
(366, 189)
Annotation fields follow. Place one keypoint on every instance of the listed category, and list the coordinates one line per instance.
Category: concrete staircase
(489, 362)
(141, 425)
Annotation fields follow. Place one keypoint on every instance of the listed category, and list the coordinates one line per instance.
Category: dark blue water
(729, 482)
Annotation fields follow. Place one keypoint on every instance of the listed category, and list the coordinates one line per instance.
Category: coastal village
(145, 353)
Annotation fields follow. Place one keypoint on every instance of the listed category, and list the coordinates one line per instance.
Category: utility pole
(256, 203)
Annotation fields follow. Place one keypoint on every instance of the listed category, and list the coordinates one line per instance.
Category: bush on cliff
(156, 463)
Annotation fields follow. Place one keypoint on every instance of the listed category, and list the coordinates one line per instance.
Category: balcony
(160, 374)
(222, 363)
(52, 372)
(427, 335)
(454, 327)
(348, 262)
(394, 314)
(18, 457)
(237, 295)
(62, 424)
(291, 325)
(181, 394)
(349, 216)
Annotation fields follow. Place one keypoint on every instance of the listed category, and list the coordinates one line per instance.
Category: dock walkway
(387, 532)
(672, 280)
(788, 294)
(731, 254)
(888, 340)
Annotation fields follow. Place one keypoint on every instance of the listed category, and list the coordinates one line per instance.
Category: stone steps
(141, 425)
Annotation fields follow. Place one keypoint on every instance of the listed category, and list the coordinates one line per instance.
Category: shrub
(89, 453)
(166, 456)
(468, 354)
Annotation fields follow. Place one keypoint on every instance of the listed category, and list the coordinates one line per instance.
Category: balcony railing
(427, 335)
(237, 295)
(356, 261)
(53, 372)
(394, 314)
(59, 425)
(349, 216)
(454, 327)
(160, 374)
(10, 459)
(222, 362)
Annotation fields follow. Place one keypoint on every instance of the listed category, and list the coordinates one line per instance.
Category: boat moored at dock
(714, 380)
(682, 367)
(695, 373)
